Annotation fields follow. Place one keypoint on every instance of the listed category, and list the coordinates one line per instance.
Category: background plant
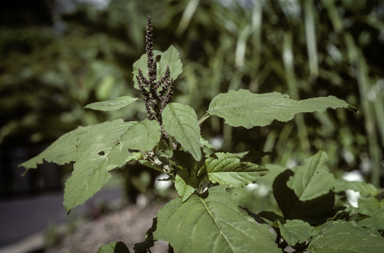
(203, 218)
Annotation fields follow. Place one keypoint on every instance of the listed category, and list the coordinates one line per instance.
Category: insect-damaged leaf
(96, 150)
(246, 109)
(212, 224)
(102, 148)
(62, 151)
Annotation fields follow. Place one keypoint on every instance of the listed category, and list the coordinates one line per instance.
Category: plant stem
(206, 116)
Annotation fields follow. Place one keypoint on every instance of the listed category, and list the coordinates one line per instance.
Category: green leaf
(104, 147)
(295, 231)
(373, 208)
(112, 105)
(62, 151)
(212, 224)
(345, 237)
(226, 168)
(114, 247)
(311, 180)
(205, 143)
(364, 188)
(246, 109)
(185, 184)
(180, 121)
(169, 58)
(314, 211)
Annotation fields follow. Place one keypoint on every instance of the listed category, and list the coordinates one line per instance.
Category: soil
(128, 225)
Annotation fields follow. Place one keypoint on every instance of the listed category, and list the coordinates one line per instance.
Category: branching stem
(206, 116)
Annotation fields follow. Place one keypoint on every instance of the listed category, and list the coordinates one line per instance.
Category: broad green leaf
(212, 224)
(295, 231)
(346, 237)
(104, 147)
(112, 105)
(180, 121)
(169, 58)
(364, 188)
(246, 109)
(226, 168)
(114, 247)
(62, 151)
(311, 180)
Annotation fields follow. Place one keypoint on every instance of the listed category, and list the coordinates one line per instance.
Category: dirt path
(128, 226)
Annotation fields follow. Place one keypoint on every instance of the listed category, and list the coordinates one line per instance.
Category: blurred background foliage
(57, 56)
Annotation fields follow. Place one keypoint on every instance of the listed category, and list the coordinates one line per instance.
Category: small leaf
(295, 231)
(112, 105)
(185, 184)
(246, 109)
(213, 224)
(343, 236)
(169, 58)
(114, 247)
(226, 168)
(205, 143)
(374, 209)
(311, 180)
(180, 121)
(314, 211)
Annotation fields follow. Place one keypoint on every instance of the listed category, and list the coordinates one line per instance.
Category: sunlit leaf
(246, 109)
(311, 180)
(343, 236)
(96, 150)
(295, 231)
(212, 224)
(62, 151)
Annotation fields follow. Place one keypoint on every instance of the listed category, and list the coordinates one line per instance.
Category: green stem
(206, 116)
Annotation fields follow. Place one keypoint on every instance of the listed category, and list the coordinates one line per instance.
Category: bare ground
(128, 225)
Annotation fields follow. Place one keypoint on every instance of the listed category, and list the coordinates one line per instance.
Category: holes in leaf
(158, 58)
(117, 143)
(101, 153)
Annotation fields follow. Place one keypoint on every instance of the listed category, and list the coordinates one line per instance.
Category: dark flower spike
(151, 64)
(157, 94)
